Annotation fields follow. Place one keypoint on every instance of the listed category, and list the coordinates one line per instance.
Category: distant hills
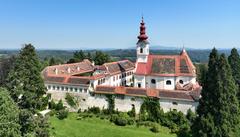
(197, 55)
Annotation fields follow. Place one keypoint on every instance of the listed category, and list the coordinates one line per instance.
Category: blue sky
(77, 24)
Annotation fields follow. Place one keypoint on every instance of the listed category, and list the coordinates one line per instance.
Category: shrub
(121, 121)
(52, 105)
(131, 121)
(59, 105)
(176, 121)
(113, 117)
(52, 113)
(155, 128)
(86, 115)
(62, 114)
(145, 123)
(132, 113)
(70, 100)
(190, 116)
(94, 110)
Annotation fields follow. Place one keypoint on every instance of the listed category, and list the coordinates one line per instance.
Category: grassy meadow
(96, 127)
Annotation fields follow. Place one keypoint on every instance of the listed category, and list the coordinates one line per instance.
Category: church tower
(142, 44)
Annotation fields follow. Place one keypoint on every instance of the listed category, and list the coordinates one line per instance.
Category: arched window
(181, 81)
(168, 82)
(153, 81)
(141, 50)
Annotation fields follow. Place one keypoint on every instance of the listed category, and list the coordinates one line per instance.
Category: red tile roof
(119, 67)
(165, 94)
(167, 65)
(71, 73)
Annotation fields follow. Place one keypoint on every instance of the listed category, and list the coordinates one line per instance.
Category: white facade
(179, 105)
(142, 51)
(157, 82)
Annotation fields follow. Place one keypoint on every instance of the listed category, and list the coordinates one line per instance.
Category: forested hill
(119, 54)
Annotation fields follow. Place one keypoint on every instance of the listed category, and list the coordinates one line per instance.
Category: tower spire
(142, 36)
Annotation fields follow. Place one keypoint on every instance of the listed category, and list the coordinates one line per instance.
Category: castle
(169, 78)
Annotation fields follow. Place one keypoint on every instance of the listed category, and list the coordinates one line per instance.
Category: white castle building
(169, 78)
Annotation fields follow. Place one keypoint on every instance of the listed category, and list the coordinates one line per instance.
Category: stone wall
(122, 103)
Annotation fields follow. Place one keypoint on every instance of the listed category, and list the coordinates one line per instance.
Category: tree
(150, 110)
(9, 112)
(52, 61)
(201, 73)
(5, 66)
(234, 62)
(26, 120)
(101, 58)
(216, 115)
(111, 103)
(89, 56)
(79, 56)
(33, 125)
(25, 83)
(41, 126)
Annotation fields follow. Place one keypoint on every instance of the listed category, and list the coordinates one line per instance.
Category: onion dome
(142, 36)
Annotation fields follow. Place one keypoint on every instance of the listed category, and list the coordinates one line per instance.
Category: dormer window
(69, 70)
(141, 50)
(153, 81)
(181, 81)
(56, 71)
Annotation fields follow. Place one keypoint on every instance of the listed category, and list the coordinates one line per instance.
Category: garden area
(93, 126)
(95, 122)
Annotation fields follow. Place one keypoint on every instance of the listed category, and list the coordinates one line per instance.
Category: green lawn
(95, 127)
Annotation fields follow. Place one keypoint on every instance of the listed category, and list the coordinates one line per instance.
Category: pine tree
(201, 73)
(25, 83)
(227, 117)
(218, 108)
(9, 112)
(234, 62)
(204, 122)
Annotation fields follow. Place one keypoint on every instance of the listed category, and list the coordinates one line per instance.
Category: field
(95, 127)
